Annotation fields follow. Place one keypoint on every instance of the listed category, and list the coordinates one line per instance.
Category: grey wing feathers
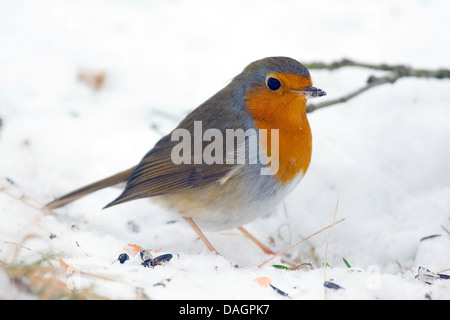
(158, 175)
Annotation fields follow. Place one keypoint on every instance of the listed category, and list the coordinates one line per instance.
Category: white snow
(384, 155)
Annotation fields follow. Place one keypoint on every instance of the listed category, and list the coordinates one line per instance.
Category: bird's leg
(256, 241)
(199, 232)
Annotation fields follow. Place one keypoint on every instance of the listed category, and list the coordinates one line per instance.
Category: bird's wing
(157, 174)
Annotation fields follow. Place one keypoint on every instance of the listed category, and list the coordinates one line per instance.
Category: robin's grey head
(275, 65)
(271, 73)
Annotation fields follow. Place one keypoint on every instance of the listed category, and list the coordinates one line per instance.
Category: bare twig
(396, 72)
(404, 70)
(371, 83)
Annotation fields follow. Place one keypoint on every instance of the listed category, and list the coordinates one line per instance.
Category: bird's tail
(84, 191)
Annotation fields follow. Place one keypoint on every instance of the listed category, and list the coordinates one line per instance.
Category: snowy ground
(385, 154)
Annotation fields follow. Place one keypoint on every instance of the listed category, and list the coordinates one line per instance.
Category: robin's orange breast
(284, 110)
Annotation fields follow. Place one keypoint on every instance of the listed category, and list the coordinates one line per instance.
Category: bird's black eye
(273, 84)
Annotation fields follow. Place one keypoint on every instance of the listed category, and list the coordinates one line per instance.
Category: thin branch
(396, 72)
(401, 69)
(371, 83)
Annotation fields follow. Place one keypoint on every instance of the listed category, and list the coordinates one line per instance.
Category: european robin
(269, 96)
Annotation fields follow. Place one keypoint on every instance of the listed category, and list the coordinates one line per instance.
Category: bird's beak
(312, 92)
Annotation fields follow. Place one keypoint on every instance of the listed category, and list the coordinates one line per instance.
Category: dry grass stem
(299, 242)
(326, 248)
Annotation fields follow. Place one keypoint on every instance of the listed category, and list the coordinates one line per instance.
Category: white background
(385, 154)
